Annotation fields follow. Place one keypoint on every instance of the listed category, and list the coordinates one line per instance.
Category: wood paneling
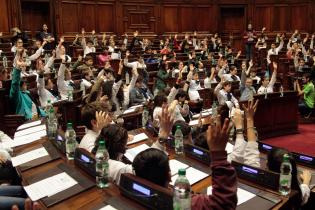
(69, 17)
(4, 21)
(34, 15)
(157, 16)
(170, 18)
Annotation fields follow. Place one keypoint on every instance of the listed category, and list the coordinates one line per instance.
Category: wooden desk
(95, 198)
(277, 116)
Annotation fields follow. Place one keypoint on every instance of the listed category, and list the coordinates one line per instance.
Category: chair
(12, 122)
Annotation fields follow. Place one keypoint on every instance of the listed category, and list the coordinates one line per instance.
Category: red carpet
(304, 142)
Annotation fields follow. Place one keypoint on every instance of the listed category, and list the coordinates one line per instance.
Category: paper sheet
(30, 130)
(242, 195)
(175, 165)
(22, 140)
(56, 183)
(129, 111)
(229, 148)
(31, 124)
(193, 175)
(137, 138)
(29, 156)
(132, 153)
(136, 106)
(108, 207)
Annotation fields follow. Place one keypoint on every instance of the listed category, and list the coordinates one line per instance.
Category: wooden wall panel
(87, 17)
(106, 17)
(4, 21)
(263, 17)
(170, 18)
(281, 14)
(188, 19)
(299, 16)
(159, 16)
(34, 15)
(69, 18)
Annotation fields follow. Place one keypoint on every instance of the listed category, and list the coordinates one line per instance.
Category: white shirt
(88, 140)
(222, 96)
(274, 51)
(269, 88)
(207, 83)
(63, 85)
(88, 50)
(44, 94)
(228, 77)
(193, 90)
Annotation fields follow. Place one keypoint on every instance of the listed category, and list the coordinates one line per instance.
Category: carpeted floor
(304, 142)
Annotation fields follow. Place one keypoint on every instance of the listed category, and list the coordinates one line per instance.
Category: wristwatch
(239, 131)
(162, 140)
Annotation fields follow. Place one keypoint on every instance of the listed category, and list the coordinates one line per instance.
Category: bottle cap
(69, 125)
(286, 157)
(52, 111)
(48, 101)
(178, 127)
(182, 172)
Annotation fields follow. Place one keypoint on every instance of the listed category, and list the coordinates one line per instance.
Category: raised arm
(251, 156)
(83, 41)
(224, 182)
(279, 48)
(274, 75)
(50, 62)
(16, 76)
(38, 52)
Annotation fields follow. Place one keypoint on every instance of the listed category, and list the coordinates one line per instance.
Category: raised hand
(251, 63)
(238, 119)
(217, 135)
(250, 109)
(102, 120)
(166, 122)
(93, 32)
(28, 205)
(62, 39)
(306, 177)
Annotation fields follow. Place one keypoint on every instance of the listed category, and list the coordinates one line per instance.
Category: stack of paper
(193, 175)
(29, 130)
(138, 138)
(242, 195)
(229, 148)
(175, 165)
(28, 125)
(108, 207)
(29, 156)
(132, 153)
(50, 186)
(26, 139)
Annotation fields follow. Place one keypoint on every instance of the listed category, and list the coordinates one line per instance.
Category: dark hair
(115, 140)
(307, 75)
(275, 158)
(87, 58)
(232, 68)
(181, 93)
(152, 165)
(107, 88)
(159, 100)
(22, 82)
(226, 83)
(96, 88)
(88, 113)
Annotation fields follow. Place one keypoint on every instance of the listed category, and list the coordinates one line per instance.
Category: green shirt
(309, 94)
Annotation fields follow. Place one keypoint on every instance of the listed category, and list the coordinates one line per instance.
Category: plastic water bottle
(214, 109)
(281, 91)
(71, 142)
(127, 78)
(48, 107)
(145, 117)
(182, 196)
(232, 59)
(179, 141)
(70, 95)
(82, 87)
(52, 124)
(102, 157)
(5, 61)
(285, 176)
(46, 58)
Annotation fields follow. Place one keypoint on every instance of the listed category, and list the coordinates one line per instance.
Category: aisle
(304, 142)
